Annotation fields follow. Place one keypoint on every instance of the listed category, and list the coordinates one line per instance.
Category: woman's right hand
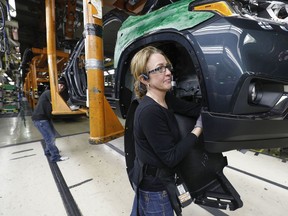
(197, 131)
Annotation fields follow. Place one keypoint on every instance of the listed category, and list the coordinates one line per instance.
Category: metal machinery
(37, 78)
(9, 61)
(52, 61)
(9, 99)
(40, 75)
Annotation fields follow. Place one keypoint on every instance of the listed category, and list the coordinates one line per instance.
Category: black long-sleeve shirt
(157, 136)
(43, 109)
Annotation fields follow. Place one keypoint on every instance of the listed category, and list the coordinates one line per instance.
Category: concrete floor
(94, 181)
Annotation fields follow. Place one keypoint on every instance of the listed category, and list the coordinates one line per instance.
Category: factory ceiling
(32, 24)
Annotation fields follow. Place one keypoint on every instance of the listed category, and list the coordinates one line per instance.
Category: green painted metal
(174, 16)
(8, 87)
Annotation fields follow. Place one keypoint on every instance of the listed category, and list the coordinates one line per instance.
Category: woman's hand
(197, 131)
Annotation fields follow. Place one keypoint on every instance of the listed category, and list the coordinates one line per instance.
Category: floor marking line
(39, 140)
(17, 158)
(26, 150)
(258, 177)
(80, 183)
(67, 198)
(116, 149)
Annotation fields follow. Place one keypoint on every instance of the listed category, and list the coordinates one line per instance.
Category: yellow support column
(104, 124)
(51, 49)
(59, 106)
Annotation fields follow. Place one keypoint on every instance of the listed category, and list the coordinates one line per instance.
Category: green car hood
(174, 16)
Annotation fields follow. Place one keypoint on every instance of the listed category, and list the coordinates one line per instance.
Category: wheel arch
(181, 51)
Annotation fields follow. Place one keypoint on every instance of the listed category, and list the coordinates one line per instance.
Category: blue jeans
(48, 132)
(152, 204)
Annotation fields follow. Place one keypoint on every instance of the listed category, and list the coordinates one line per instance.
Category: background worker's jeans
(48, 132)
(152, 204)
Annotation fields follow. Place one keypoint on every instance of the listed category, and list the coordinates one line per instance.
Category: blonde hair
(138, 67)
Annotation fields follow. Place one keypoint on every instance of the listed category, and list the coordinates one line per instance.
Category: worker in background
(42, 119)
(62, 89)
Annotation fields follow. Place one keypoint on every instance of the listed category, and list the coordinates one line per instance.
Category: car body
(235, 65)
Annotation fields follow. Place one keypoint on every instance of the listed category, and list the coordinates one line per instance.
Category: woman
(157, 139)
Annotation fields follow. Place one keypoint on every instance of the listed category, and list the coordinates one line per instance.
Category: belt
(150, 170)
